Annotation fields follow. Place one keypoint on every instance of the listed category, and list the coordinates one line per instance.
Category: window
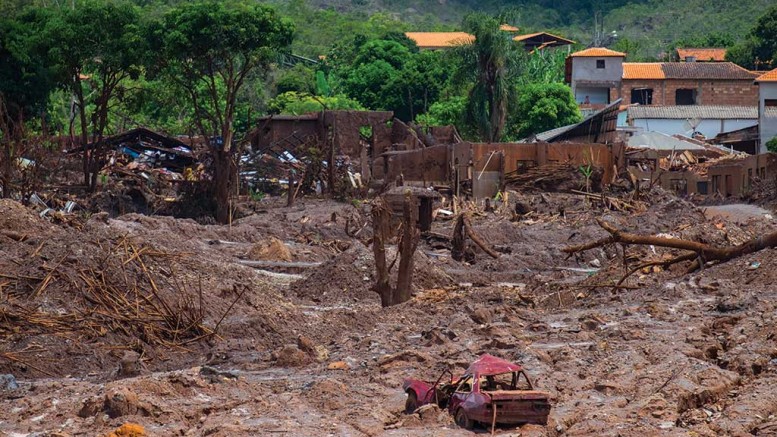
(642, 96)
(600, 63)
(770, 103)
(690, 59)
(685, 96)
(679, 186)
(466, 385)
(525, 164)
(701, 187)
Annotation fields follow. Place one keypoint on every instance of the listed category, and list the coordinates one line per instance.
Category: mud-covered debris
(8, 382)
(291, 356)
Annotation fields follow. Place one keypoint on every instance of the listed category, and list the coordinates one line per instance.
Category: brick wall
(708, 92)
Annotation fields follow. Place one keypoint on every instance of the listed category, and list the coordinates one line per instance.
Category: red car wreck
(491, 391)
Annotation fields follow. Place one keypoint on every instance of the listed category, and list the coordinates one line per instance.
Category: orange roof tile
(598, 52)
(686, 70)
(706, 54)
(643, 70)
(508, 28)
(432, 40)
(768, 77)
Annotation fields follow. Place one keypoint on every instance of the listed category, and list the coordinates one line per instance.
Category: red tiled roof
(706, 54)
(597, 52)
(686, 70)
(768, 77)
(643, 70)
(440, 39)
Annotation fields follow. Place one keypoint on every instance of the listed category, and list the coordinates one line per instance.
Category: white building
(689, 119)
(593, 72)
(767, 107)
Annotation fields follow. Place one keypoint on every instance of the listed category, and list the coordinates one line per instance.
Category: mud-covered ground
(307, 350)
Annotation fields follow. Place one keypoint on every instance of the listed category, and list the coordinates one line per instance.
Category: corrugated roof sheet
(768, 77)
(686, 70)
(597, 52)
(440, 39)
(661, 141)
(703, 54)
(694, 111)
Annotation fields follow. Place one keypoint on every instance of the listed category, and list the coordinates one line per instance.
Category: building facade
(767, 107)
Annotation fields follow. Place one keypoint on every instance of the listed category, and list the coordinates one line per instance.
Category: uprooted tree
(699, 254)
(209, 50)
(406, 246)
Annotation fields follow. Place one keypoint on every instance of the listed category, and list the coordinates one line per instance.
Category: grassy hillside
(651, 26)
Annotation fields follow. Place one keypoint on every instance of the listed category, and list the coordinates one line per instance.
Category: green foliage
(759, 50)
(294, 103)
(299, 78)
(492, 62)
(210, 49)
(444, 112)
(771, 145)
(542, 107)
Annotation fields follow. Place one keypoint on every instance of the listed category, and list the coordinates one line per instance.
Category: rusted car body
(490, 391)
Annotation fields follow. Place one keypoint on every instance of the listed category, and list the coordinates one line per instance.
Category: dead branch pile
(125, 290)
(557, 176)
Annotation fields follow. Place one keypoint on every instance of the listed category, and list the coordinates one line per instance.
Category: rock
(123, 402)
(306, 345)
(215, 375)
(338, 365)
(90, 407)
(481, 316)
(291, 356)
(8, 382)
(129, 365)
(270, 250)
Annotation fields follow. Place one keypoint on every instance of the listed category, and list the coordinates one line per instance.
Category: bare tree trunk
(407, 246)
(79, 91)
(381, 225)
(459, 239)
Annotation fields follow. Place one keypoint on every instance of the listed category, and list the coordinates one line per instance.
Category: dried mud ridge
(159, 322)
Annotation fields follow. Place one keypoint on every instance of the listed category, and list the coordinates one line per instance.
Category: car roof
(490, 365)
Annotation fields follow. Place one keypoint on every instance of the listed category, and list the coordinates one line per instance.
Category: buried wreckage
(491, 390)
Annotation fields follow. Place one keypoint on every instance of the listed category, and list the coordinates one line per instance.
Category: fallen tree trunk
(699, 253)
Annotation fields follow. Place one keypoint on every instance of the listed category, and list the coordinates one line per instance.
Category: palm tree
(492, 61)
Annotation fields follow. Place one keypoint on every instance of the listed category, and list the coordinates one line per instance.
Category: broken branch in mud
(463, 229)
(698, 253)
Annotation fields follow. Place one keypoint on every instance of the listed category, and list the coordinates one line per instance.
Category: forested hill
(646, 27)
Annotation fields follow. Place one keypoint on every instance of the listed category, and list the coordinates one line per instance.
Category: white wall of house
(584, 68)
(767, 119)
(588, 80)
(709, 128)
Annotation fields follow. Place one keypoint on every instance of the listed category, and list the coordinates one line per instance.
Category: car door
(463, 391)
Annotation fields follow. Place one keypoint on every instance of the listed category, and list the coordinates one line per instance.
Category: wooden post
(407, 246)
(381, 228)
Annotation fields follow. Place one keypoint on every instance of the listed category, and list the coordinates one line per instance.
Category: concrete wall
(587, 80)
(584, 69)
(596, 95)
(708, 92)
(767, 122)
(708, 128)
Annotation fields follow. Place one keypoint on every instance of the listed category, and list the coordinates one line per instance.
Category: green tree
(492, 62)
(25, 84)
(88, 53)
(294, 103)
(209, 49)
(759, 50)
(299, 78)
(541, 107)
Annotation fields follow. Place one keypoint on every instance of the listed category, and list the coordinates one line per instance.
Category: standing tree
(541, 107)
(25, 84)
(208, 49)
(494, 60)
(94, 47)
(759, 50)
